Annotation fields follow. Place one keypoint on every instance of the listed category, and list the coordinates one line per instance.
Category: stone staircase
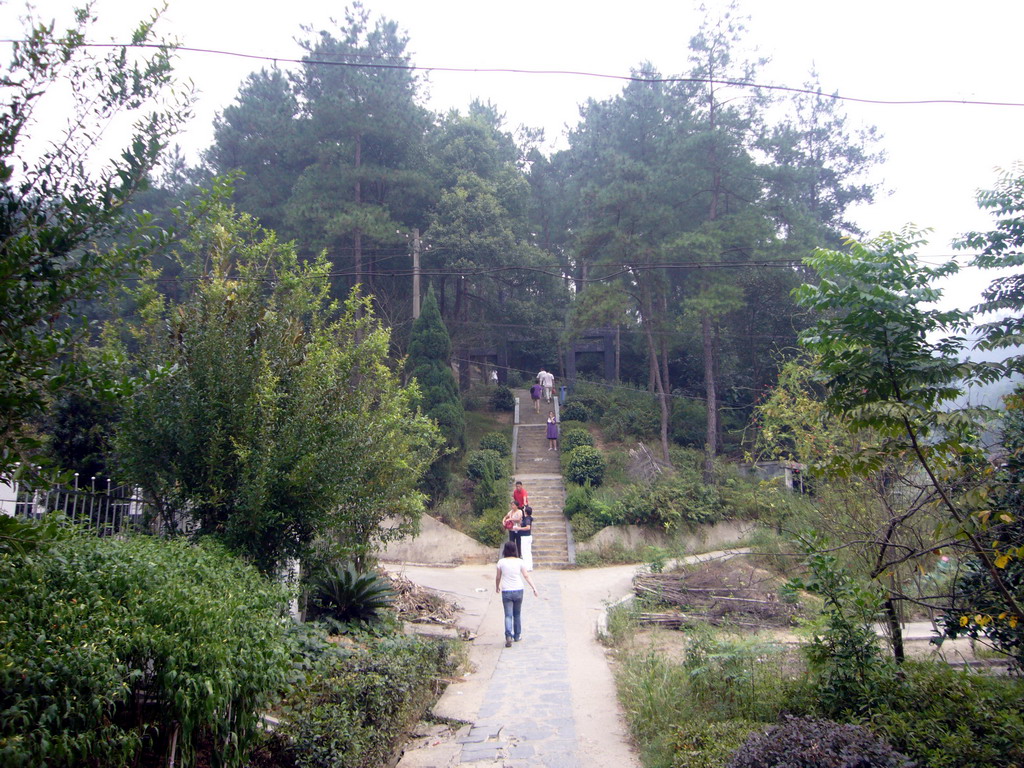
(540, 472)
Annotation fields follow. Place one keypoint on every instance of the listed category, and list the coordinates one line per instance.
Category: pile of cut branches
(418, 604)
(731, 605)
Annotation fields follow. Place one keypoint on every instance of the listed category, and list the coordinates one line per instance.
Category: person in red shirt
(520, 496)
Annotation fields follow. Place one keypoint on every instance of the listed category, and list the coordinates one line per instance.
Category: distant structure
(601, 340)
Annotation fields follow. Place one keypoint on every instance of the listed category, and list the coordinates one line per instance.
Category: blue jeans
(512, 602)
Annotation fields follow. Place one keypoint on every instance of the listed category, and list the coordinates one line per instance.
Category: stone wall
(437, 544)
(631, 536)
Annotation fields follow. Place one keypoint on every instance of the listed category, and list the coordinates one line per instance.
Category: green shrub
(474, 400)
(502, 399)
(497, 442)
(482, 461)
(594, 397)
(588, 559)
(702, 744)
(688, 424)
(811, 743)
(579, 499)
(583, 528)
(851, 676)
(565, 424)
(670, 501)
(570, 439)
(487, 527)
(584, 465)
(587, 513)
(355, 708)
(737, 676)
(624, 422)
(575, 411)
(341, 595)
(491, 490)
(947, 718)
(106, 642)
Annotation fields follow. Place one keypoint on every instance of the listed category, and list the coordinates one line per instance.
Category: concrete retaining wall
(437, 544)
(631, 536)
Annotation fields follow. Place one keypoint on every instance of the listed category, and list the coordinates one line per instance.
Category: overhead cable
(552, 72)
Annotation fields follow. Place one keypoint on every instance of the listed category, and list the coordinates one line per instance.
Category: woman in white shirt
(508, 580)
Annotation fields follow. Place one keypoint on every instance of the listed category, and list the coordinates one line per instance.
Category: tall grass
(721, 677)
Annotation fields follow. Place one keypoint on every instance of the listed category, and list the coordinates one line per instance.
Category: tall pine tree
(430, 350)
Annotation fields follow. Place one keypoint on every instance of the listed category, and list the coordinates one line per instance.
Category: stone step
(547, 494)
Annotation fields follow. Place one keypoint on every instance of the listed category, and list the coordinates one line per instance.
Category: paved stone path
(549, 700)
(525, 719)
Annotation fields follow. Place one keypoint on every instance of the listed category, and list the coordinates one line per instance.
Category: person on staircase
(547, 380)
(552, 432)
(520, 496)
(525, 530)
(535, 394)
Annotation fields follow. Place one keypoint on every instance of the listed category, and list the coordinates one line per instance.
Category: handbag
(508, 524)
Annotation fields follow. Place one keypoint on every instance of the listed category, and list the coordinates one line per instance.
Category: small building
(791, 472)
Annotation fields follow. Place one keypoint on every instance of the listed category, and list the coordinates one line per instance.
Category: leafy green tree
(624, 174)
(491, 274)
(982, 605)
(793, 422)
(275, 422)
(819, 168)
(366, 179)
(333, 156)
(1002, 248)
(80, 433)
(727, 176)
(62, 205)
(670, 174)
(259, 135)
(979, 609)
(888, 369)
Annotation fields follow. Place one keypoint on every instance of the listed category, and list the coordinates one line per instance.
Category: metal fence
(100, 507)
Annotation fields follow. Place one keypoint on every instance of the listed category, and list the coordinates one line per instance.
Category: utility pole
(415, 273)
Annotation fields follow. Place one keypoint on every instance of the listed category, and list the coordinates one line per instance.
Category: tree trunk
(460, 289)
(895, 630)
(716, 362)
(652, 350)
(465, 370)
(711, 398)
(357, 236)
(618, 354)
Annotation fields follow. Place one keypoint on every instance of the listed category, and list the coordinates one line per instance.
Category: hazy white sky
(938, 155)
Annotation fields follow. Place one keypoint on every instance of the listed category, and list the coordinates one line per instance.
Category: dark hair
(509, 550)
(527, 510)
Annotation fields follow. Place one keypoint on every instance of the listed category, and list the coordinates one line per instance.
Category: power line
(555, 273)
(549, 72)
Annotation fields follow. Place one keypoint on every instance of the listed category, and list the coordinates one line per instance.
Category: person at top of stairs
(520, 496)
